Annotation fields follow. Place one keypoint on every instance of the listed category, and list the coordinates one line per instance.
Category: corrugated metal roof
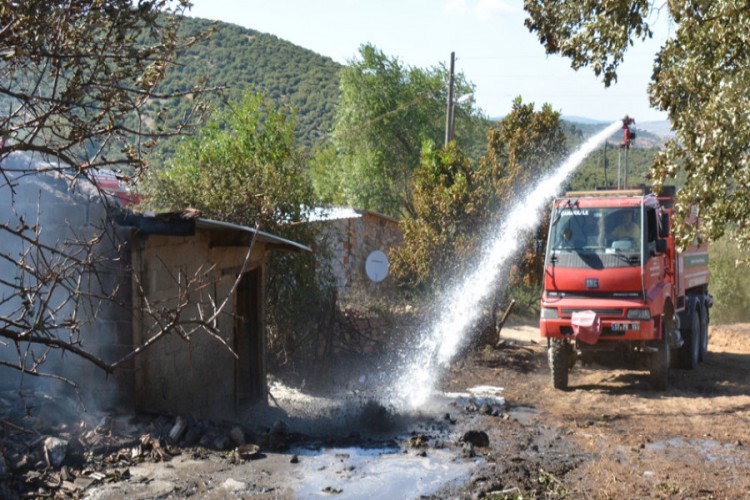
(184, 224)
(263, 237)
(319, 214)
(322, 214)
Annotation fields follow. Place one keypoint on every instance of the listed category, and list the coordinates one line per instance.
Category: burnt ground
(609, 436)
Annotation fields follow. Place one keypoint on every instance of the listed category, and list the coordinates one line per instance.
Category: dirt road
(610, 435)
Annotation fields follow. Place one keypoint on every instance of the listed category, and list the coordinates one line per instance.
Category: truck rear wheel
(704, 332)
(559, 362)
(690, 351)
(659, 365)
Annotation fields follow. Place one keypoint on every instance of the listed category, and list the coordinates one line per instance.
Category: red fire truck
(617, 292)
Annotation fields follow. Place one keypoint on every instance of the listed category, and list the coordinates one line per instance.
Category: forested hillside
(600, 168)
(307, 84)
(240, 58)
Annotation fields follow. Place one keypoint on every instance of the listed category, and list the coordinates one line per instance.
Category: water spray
(461, 306)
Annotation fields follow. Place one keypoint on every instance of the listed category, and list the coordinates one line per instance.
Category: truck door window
(651, 229)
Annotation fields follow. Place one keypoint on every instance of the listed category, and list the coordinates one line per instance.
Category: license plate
(624, 327)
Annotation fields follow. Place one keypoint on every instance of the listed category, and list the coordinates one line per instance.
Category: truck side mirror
(661, 246)
(664, 226)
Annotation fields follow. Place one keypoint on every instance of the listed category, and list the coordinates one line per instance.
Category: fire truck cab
(616, 290)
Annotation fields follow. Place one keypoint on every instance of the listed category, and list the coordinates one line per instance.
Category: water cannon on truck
(617, 291)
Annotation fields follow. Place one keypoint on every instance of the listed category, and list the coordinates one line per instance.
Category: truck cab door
(654, 251)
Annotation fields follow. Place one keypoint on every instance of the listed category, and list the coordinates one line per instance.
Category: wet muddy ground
(609, 436)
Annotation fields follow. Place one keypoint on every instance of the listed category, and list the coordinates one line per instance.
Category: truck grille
(603, 313)
(593, 261)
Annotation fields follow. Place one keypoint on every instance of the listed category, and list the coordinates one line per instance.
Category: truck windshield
(596, 230)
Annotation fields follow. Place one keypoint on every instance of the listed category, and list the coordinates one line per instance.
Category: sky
(493, 48)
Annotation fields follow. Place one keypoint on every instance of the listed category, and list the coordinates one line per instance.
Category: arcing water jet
(461, 307)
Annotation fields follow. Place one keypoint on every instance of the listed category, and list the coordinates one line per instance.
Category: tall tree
(243, 167)
(386, 111)
(440, 233)
(524, 146)
(701, 78)
(457, 205)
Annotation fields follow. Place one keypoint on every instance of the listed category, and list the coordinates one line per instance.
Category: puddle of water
(523, 414)
(476, 396)
(377, 473)
(386, 472)
(710, 449)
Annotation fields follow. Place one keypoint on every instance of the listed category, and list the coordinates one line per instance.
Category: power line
(536, 55)
(551, 75)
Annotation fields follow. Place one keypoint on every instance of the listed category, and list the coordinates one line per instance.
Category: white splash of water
(461, 307)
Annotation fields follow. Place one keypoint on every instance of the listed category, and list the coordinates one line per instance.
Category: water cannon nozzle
(629, 135)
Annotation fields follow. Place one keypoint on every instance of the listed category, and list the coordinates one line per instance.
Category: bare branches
(190, 311)
(54, 343)
(77, 78)
(80, 90)
(65, 285)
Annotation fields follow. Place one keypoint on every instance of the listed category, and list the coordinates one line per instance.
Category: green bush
(729, 284)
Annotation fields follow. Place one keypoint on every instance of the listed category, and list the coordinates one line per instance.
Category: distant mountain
(661, 128)
(582, 120)
(645, 138)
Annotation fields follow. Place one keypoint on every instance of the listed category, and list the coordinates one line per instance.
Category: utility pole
(449, 110)
(605, 163)
(627, 139)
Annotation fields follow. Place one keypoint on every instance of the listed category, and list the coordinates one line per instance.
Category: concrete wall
(351, 241)
(196, 375)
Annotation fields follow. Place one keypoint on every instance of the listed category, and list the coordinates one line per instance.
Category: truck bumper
(612, 329)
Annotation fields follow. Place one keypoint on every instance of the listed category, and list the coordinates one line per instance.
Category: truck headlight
(641, 314)
(549, 313)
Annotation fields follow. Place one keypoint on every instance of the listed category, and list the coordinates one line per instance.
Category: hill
(240, 58)
(583, 120)
(646, 138)
(304, 81)
(600, 168)
(661, 128)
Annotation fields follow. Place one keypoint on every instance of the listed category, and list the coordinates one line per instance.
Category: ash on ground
(54, 450)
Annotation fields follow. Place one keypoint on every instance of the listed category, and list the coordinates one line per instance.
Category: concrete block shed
(199, 261)
(145, 272)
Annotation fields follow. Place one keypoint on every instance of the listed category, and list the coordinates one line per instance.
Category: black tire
(703, 352)
(659, 365)
(559, 363)
(690, 351)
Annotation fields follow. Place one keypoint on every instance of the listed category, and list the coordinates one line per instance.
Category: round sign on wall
(376, 266)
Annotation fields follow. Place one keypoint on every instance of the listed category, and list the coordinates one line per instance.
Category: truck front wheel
(659, 367)
(559, 362)
(704, 332)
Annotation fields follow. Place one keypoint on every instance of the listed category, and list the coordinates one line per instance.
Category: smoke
(462, 306)
(58, 272)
